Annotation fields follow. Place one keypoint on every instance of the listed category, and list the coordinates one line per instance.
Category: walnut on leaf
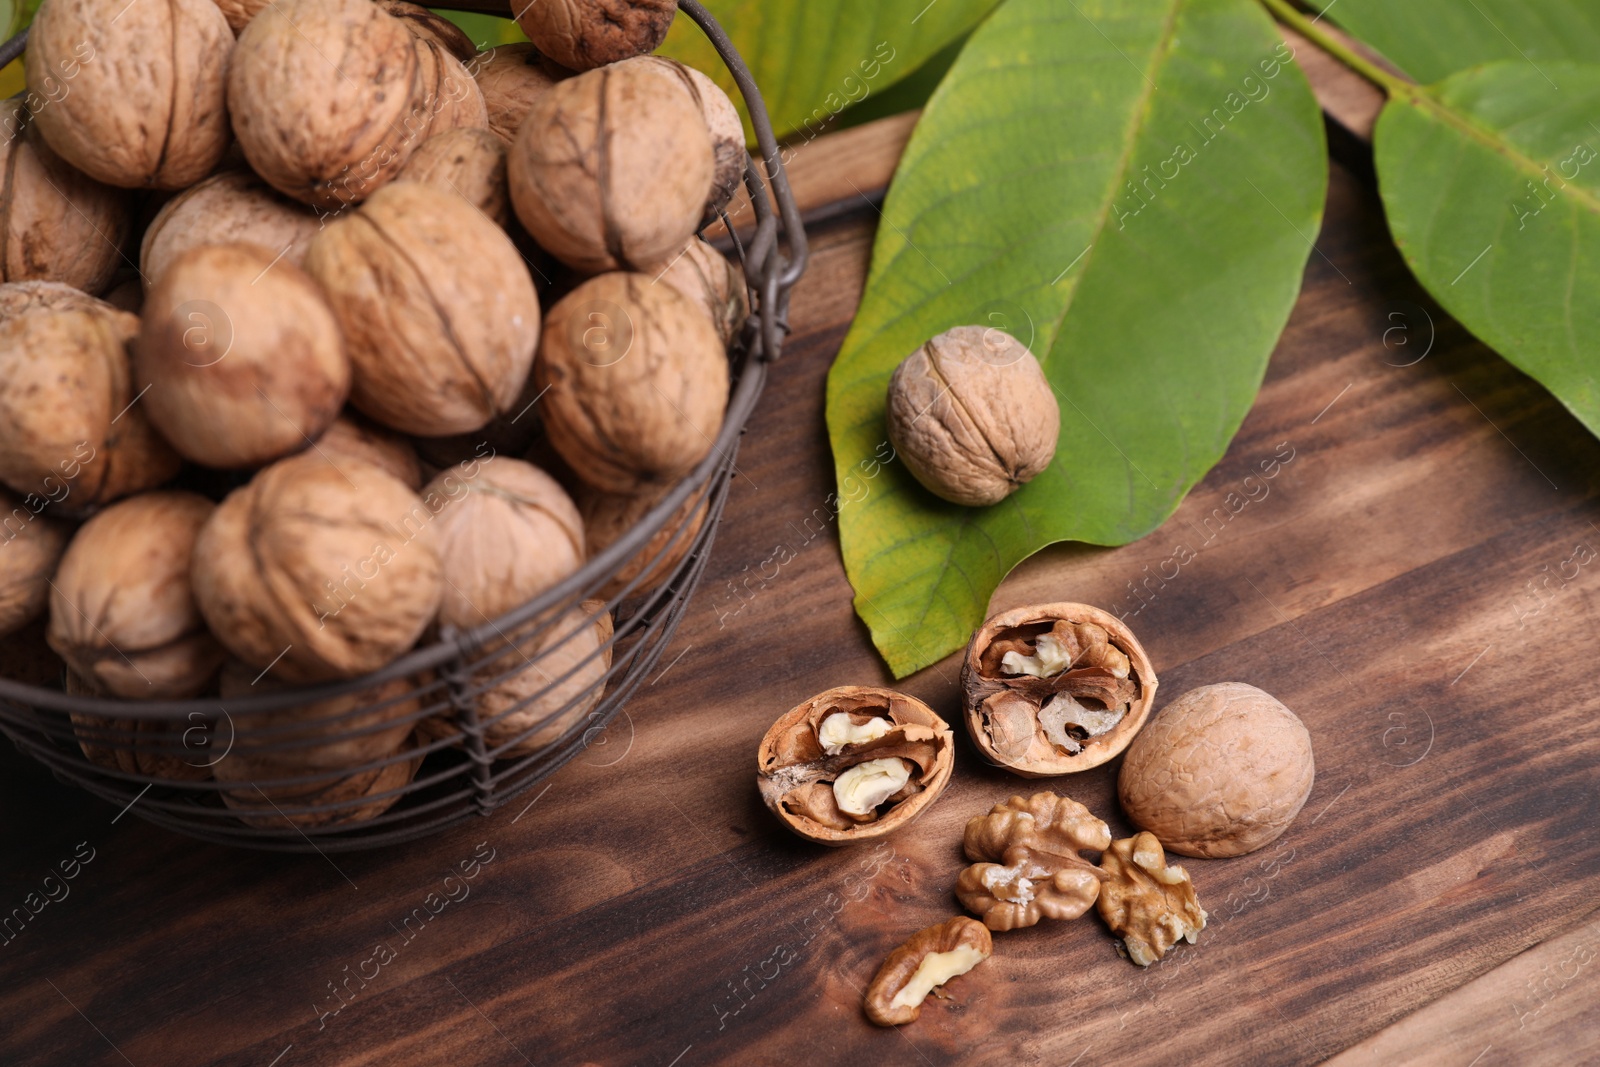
(1146, 903)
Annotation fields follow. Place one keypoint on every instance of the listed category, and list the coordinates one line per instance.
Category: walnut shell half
(929, 958)
(854, 764)
(1055, 688)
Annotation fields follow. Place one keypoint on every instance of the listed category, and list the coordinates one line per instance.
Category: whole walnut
(178, 751)
(242, 357)
(439, 314)
(712, 281)
(584, 34)
(233, 205)
(135, 91)
(57, 224)
(608, 516)
(323, 132)
(30, 547)
(240, 12)
(469, 162)
(75, 433)
(329, 734)
(122, 613)
(637, 379)
(432, 26)
(318, 571)
(320, 797)
(973, 416)
(446, 96)
(1222, 771)
(611, 169)
(506, 532)
(722, 122)
(511, 77)
(352, 437)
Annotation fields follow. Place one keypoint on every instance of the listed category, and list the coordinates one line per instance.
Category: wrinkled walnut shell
(1146, 903)
(511, 77)
(466, 161)
(897, 972)
(30, 547)
(608, 516)
(1026, 861)
(722, 123)
(432, 26)
(796, 776)
(234, 205)
(354, 797)
(323, 735)
(352, 437)
(712, 281)
(584, 34)
(174, 751)
(1221, 771)
(1003, 711)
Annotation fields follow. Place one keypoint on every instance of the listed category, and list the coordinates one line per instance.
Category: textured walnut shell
(432, 26)
(159, 749)
(320, 735)
(30, 547)
(637, 379)
(232, 206)
(1221, 771)
(122, 613)
(903, 962)
(439, 314)
(242, 356)
(354, 797)
(584, 34)
(611, 169)
(1146, 903)
(240, 12)
(323, 132)
(318, 571)
(1026, 862)
(469, 162)
(511, 77)
(1002, 710)
(447, 96)
(351, 437)
(57, 224)
(972, 415)
(608, 516)
(712, 281)
(722, 123)
(135, 91)
(794, 774)
(67, 398)
(506, 532)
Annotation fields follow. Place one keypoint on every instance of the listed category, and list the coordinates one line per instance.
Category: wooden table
(1401, 586)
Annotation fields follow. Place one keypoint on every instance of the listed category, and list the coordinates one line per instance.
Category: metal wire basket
(410, 749)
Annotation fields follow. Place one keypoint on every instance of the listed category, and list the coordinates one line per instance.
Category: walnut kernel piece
(1027, 865)
(854, 763)
(928, 959)
(1146, 903)
(1055, 688)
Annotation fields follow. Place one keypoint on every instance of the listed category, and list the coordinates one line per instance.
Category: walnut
(351, 437)
(447, 97)
(233, 205)
(637, 379)
(67, 398)
(318, 571)
(1055, 688)
(240, 12)
(722, 122)
(347, 798)
(611, 169)
(56, 223)
(322, 735)
(927, 960)
(1146, 903)
(972, 415)
(242, 357)
(432, 26)
(1026, 862)
(468, 162)
(122, 613)
(1221, 771)
(30, 547)
(439, 313)
(712, 281)
(506, 532)
(135, 91)
(151, 747)
(607, 516)
(327, 132)
(584, 34)
(853, 764)
(511, 77)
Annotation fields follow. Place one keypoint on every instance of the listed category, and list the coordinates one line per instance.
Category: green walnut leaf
(1432, 39)
(1130, 188)
(1491, 183)
(814, 58)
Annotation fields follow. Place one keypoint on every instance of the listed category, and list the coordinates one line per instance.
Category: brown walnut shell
(323, 735)
(1095, 699)
(884, 1003)
(232, 206)
(76, 434)
(439, 313)
(469, 162)
(351, 798)
(712, 281)
(432, 26)
(179, 752)
(240, 12)
(511, 77)
(30, 547)
(799, 779)
(242, 356)
(722, 122)
(584, 34)
(57, 224)
(1220, 771)
(608, 516)
(352, 437)
(447, 96)
(135, 91)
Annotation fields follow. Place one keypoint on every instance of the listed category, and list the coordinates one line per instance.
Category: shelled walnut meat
(583, 34)
(929, 958)
(1055, 688)
(1026, 862)
(1146, 903)
(1221, 771)
(230, 206)
(853, 764)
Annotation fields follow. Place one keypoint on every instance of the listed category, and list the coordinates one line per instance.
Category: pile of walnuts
(292, 292)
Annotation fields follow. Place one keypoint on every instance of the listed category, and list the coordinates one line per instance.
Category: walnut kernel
(1146, 903)
(927, 960)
